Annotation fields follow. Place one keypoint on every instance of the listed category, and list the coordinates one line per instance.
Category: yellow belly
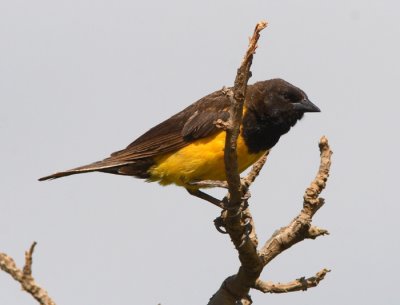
(201, 160)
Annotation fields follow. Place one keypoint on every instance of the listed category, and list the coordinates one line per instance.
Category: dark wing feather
(202, 124)
(194, 122)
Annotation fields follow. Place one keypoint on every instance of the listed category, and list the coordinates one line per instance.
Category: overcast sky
(81, 79)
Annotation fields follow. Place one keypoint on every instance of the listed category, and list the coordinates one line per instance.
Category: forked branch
(238, 220)
(24, 276)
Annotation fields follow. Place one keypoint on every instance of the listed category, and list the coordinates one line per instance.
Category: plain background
(81, 79)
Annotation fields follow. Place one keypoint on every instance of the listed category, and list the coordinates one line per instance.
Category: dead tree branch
(300, 228)
(232, 127)
(237, 218)
(236, 287)
(24, 276)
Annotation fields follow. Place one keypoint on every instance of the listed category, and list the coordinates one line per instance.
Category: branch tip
(27, 270)
(315, 232)
(300, 284)
(24, 276)
(311, 201)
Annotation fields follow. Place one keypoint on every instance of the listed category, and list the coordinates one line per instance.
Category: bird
(189, 147)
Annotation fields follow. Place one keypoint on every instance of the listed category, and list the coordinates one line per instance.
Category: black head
(277, 99)
(273, 107)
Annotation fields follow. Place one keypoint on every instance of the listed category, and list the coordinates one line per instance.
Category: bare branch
(24, 276)
(311, 201)
(300, 228)
(237, 218)
(237, 96)
(27, 271)
(255, 170)
(296, 285)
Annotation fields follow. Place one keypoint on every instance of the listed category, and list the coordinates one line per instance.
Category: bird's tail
(100, 166)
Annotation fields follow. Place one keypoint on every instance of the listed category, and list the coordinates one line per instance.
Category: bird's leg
(219, 222)
(210, 183)
(206, 197)
(247, 226)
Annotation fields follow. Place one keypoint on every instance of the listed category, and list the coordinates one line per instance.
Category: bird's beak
(306, 106)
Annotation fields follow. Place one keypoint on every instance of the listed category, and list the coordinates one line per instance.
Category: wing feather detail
(195, 122)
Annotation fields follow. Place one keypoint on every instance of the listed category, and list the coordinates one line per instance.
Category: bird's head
(279, 101)
(272, 108)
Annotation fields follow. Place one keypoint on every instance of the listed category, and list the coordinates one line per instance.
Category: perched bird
(189, 147)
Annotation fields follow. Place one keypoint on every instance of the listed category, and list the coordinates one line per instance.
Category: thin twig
(311, 200)
(24, 276)
(255, 170)
(300, 227)
(28, 260)
(300, 284)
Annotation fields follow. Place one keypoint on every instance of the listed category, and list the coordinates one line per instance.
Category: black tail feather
(101, 166)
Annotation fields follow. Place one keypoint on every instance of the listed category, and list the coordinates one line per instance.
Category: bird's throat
(261, 134)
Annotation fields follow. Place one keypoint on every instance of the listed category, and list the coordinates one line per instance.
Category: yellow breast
(200, 160)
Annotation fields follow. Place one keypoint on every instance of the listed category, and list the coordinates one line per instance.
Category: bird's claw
(246, 196)
(247, 230)
(219, 224)
(225, 204)
(245, 199)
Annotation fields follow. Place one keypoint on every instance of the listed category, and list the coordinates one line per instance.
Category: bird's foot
(219, 225)
(199, 194)
(247, 230)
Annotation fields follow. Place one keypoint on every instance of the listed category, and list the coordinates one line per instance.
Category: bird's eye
(291, 97)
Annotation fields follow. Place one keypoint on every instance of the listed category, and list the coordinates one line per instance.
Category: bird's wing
(195, 122)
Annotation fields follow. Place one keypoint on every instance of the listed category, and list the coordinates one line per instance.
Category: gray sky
(81, 79)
